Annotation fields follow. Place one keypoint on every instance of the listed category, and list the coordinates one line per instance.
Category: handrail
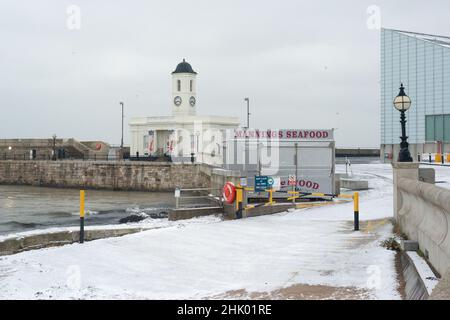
(199, 189)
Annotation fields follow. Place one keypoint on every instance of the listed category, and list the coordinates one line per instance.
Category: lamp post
(121, 140)
(402, 103)
(248, 112)
(246, 138)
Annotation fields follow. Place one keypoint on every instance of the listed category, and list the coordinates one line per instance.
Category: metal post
(81, 216)
(258, 155)
(239, 211)
(270, 191)
(248, 112)
(239, 199)
(294, 194)
(296, 166)
(244, 197)
(121, 140)
(404, 155)
(356, 210)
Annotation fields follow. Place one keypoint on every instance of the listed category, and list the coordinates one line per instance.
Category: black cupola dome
(184, 67)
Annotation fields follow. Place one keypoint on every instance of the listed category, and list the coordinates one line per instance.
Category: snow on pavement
(201, 260)
(207, 258)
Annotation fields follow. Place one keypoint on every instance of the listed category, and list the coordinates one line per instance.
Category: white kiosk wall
(273, 152)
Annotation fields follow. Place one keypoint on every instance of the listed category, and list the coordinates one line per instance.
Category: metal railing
(91, 157)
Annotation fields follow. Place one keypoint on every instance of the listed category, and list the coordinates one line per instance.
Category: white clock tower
(184, 135)
(184, 90)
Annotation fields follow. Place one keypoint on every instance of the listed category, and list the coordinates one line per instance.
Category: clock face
(192, 101)
(177, 101)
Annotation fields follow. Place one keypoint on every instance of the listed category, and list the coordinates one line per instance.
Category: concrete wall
(422, 211)
(113, 175)
(44, 240)
(189, 213)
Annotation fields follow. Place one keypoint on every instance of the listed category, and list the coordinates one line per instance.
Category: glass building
(422, 63)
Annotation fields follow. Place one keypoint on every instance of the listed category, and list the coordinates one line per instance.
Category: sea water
(24, 208)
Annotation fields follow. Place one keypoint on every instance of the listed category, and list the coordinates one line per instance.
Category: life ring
(229, 192)
(98, 146)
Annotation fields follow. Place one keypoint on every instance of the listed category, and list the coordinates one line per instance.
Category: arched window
(191, 84)
(179, 85)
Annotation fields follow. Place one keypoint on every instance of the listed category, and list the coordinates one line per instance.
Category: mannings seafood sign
(285, 134)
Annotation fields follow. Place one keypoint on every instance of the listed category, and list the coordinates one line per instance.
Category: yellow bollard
(356, 210)
(270, 191)
(437, 158)
(239, 199)
(81, 216)
(81, 203)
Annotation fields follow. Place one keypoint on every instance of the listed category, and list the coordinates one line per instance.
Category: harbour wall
(109, 175)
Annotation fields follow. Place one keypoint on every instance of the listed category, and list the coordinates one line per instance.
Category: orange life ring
(98, 146)
(229, 192)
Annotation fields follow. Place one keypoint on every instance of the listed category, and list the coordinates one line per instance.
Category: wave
(22, 225)
(88, 212)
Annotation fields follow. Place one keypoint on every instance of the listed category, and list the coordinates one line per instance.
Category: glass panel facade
(437, 128)
(423, 66)
(430, 128)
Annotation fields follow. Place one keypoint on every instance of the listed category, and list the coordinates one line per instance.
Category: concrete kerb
(22, 243)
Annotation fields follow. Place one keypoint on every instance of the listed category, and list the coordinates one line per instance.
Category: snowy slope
(203, 258)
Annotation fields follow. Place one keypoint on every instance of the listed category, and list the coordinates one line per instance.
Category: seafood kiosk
(301, 159)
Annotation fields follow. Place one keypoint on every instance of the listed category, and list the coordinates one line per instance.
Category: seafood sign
(285, 134)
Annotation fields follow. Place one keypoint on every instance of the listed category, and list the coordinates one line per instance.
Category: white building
(184, 133)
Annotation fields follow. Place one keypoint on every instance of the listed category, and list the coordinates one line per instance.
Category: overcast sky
(304, 64)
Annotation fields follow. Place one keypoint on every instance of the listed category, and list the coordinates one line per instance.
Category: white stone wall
(423, 212)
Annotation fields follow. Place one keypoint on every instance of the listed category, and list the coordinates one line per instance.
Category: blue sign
(261, 183)
(270, 181)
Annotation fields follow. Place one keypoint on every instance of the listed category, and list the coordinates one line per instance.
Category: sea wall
(111, 175)
(422, 211)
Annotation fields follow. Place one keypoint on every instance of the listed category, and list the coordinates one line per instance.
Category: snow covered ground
(209, 258)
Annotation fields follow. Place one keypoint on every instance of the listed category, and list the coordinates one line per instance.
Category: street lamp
(248, 112)
(121, 140)
(402, 103)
